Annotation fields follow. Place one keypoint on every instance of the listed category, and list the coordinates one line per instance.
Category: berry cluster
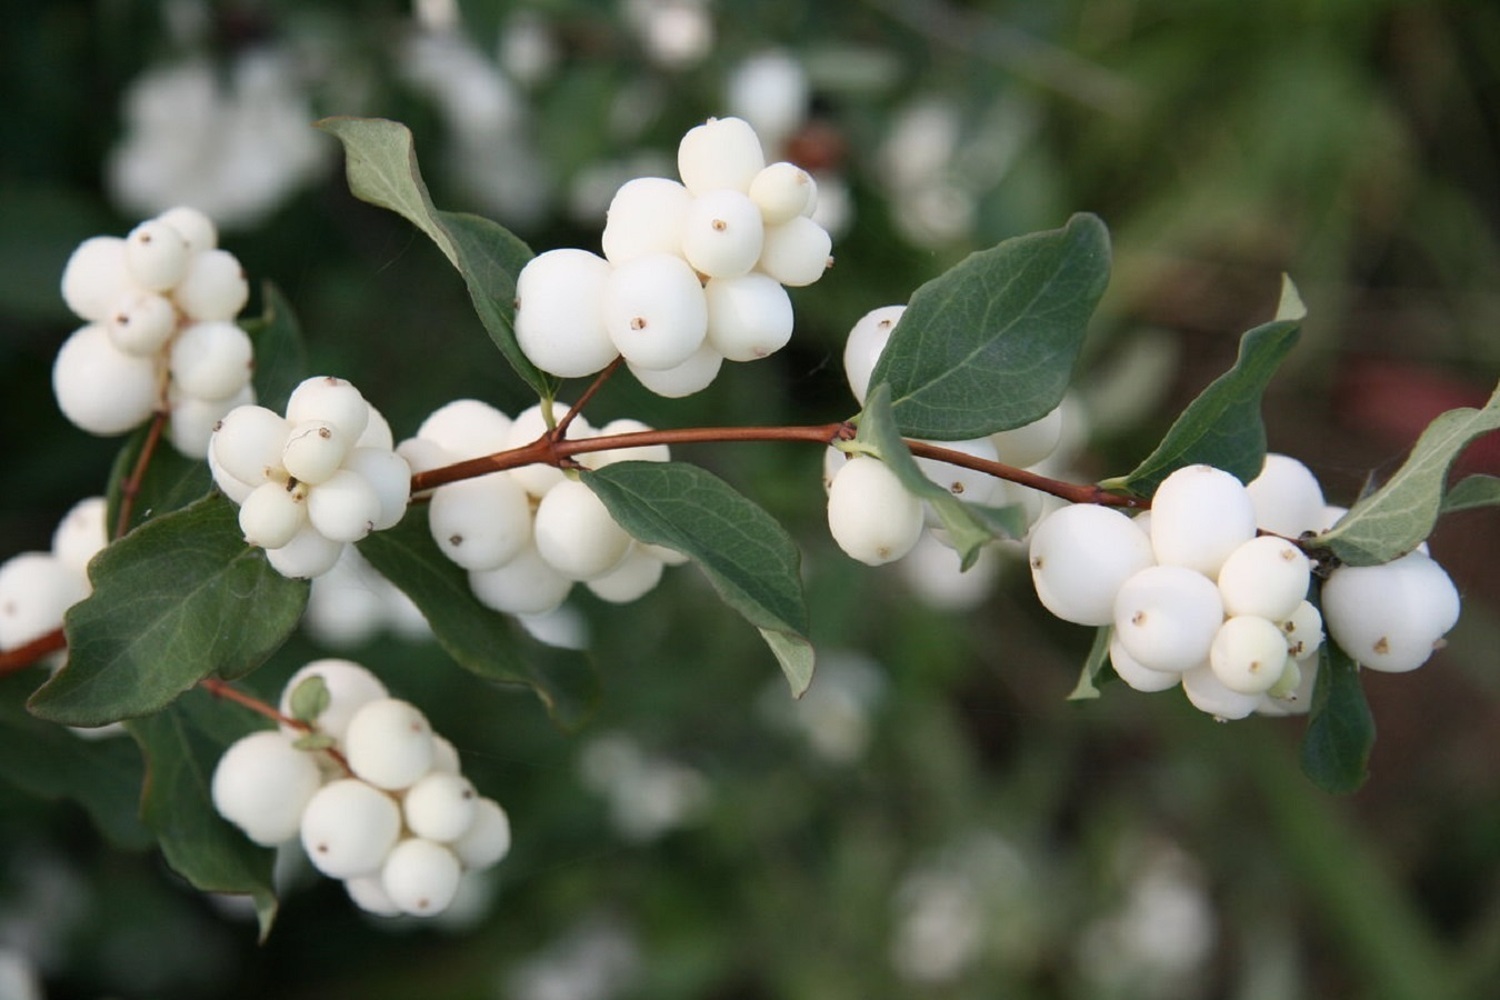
(309, 483)
(375, 796)
(871, 516)
(526, 535)
(693, 272)
(37, 588)
(160, 335)
(1208, 591)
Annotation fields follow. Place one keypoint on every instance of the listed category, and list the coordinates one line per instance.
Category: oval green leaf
(747, 556)
(176, 600)
(991, 344)
(1340, 728)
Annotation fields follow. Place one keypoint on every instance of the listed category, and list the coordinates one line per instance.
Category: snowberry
(441, 806)
(645, 217)
(95, 277)
(1199, 515)
(100, 388)
(331, 399)
(1266, 576)
(865, 344)
(468, 428)
(420, 877)
(560, 313)
(211, 360)
(480, 523)
(81, 533)
(349, 685)
(487, 839)
(693, 375)
(961, 481)
(635, 576)
(388, 476)
(796, 252)
(248, 443)
(195, 228)
(530, 424)
(781, 191)
(526, 585)
(722, 233)
(871, 515)
(272, 514)
(1208, 694)
(36, 589)
(1286, 497)
(141, 323)
(348, 828)
(749, 316)
(214, 287)
(1029, 444)
(344, 507)
(388, 743)
(1303, 629)
(314, 451)
(156, 255)
(1139, 678)
(720, 153)
(1080, 556)
(1390, 617)
(263, 783)
(308, 554)
(191, 428)
(641, 453)
(655, 311)
(1167, 617)
(575, 533)
(368, 893)
(1248, 654)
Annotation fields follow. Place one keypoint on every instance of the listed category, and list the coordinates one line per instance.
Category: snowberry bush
(1211, 566)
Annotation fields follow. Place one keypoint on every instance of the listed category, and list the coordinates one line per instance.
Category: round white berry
(100, 388)
(191, 428)
(440, 806)
(871, 515)
(1167, 617)
(263, 783)
(314, 451)
(81, 533)
(720, 153)
(1200, 514)
(156, 255)
(1139, 678)
(749, 317)
(331, 399)
(480, 523)
(796, 252)
(1248, 654)
(196, 228)
(1304, 631)
(645, 217)
(1286, 497)
(1390, 617)
(781, 191)
(574, 532)
(636, 575)
(525, 585)
(349, 827)
(865, 344)
(655, 311)
(487, 839)
(961, 481)
(388, 743)
(350, 687)
(377, 432)
(309, 553)
(469, 428)
(640, 453)
(1029, 444)
(1080, 556)
(722, 233)
(248, 443)
(1266, 576)
(368, 893)
(211, 360)
(529, 425)
(388, 475)
(36, 589)
(693, 375)
(420, 877)
(1209, 695)
(214, 287)
(344, 506)
(560, 313)
(272, 515)
(141, 323)
(95, 277)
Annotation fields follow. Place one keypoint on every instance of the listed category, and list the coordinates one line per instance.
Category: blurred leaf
(182, 745)
(483, 641)
(171, 482)
(990, 344)
(748, 557)
(1397, 517)
(969, 527)
(382, 170)
(1340, 729)
(180, 598)
(1473, 492)
(280, 357)
(1094, 665)
(1222, 427)
(50, 761)
(310, 698)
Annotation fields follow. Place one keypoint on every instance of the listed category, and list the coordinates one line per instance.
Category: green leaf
(381, 165)
(100, 773)
(310, 698)
(1340, 729)
(483, 641)
(280, 357)
(969, 527)
(748, 557)
(1397, 517)
(1471, 493)
(182, 744)
(180, 598)
(1223, 426)
(1094, 665)
(991, 344)
(171, 482)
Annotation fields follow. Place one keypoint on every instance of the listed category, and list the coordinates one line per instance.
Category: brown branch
(131, 487)
(1072, 492)
(561, 429)
(223, 689)
(13, 660)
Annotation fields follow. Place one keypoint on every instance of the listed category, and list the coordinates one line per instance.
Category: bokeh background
(934, 819)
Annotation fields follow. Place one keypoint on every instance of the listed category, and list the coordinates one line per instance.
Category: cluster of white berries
(160, 334)
(875, 519)
(309, 483)
(375, 796)
(527, 535)
(1208, 590)
(37, 588)
(693, 272)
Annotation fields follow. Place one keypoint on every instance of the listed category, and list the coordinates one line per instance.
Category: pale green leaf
(1471, 493)
(1095, 666)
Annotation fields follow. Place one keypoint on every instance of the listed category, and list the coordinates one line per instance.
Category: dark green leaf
(748, 557)
(1471, 493)
(178, 599)
(1223, 426)
(1094, 665)
(172, 480)
(280, 358)
(969, 528)
(101, 773)
(483, 641)
(991, 344)
(1397, 517)
(310, 698)
(182, 744)
(1340, 729)
(382, 170)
